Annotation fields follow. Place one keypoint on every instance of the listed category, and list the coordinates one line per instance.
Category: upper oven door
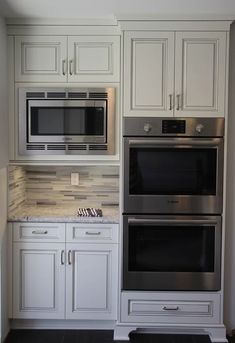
(66, 121)
(176, 175)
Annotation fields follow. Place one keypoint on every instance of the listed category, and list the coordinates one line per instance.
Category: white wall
(3, 97)
(108, 8)
(3, 178)
(229, 312)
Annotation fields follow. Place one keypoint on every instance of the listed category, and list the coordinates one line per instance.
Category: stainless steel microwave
(66, 121)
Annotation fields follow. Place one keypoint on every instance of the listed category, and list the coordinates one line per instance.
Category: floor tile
(97, 336)
(35, 336)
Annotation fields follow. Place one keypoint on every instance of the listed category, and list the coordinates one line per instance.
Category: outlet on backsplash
(74, 179)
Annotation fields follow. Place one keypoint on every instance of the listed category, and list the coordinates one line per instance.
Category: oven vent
(35, 147)
(57, 95)
(56, 147)
(98, 95)
(79, 95)
(77, 147)
(98, 147)
(35, 95)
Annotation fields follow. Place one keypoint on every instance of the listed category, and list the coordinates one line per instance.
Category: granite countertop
(61, 214)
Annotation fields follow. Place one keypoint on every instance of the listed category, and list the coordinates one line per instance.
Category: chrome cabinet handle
(70, 257)
(40, 232)
(171, 107)
(62, 257)
(71, 67)
(64, 67)
(170, 308)
(178, 102)
(93, 233)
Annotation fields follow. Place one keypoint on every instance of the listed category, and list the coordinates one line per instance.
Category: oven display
(173, 126)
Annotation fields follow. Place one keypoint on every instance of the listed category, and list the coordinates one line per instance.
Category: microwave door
(66, 121)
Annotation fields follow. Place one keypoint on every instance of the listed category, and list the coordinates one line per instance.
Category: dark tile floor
(96, 336)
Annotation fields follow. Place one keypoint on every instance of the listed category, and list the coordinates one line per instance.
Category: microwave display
(85, 121)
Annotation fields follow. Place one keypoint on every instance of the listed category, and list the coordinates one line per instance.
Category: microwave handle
(171, 221)
(175, 142)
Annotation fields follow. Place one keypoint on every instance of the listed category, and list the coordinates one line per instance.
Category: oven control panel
(173, 126)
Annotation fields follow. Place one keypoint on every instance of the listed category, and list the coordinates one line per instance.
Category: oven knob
(199, 128)
(147, 127)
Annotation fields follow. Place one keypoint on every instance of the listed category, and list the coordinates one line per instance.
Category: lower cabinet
(38, 280)
(91, 282)
(64, 279)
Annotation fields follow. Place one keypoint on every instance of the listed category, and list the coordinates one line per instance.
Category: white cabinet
(67, 59)
(91, 286)
(93, 58)
(40, 58)
(55, 278)
(148, 73)
(174, 73)
(38, 280)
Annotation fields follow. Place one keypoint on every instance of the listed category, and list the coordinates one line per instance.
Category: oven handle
(177, 142)
(171, 221)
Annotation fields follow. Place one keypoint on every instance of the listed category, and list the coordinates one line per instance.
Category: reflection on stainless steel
(186, 135)
(173, 191)
(170, 280)
(79, 140)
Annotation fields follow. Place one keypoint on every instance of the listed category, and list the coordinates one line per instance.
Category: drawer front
(169, 308)
(38, 232)
(204, 310)
(103, 233)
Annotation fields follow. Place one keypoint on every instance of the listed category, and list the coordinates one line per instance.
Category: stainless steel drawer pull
(63, 67)
(70, 257)
(170, 308)
(62, 260)
(71, 67)
(40, 232)
(171, 107)
(93, 233)
(178, 102)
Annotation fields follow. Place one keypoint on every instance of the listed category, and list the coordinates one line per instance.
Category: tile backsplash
(17, 188)
(51, 186)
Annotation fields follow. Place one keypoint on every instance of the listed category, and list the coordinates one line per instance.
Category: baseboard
(55, 324)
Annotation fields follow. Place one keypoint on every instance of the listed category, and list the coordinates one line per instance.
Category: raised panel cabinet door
(41, 58)
(38, 280)
(200, 74)
(148, 73)
(94, 58)
(91, 281)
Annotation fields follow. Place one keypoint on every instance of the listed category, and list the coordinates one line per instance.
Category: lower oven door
(180, 253)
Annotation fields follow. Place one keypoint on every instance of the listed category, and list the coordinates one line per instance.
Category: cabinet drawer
(39, 232)
(185, 309)
(92, 232)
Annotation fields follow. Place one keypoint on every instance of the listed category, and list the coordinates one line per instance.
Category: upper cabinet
(174, 73)
(67, 59)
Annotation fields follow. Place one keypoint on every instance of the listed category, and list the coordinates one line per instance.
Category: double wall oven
(173, 190)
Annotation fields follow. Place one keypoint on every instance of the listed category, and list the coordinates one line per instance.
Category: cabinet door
(91, 281)
(38, 280)
(200, 73)
(94, 58)
(148, 73)
(41, 58)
